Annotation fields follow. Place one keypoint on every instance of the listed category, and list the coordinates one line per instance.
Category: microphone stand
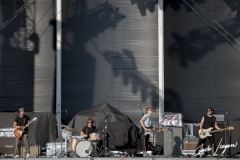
(227, 136)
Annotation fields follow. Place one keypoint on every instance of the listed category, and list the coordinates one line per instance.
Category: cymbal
(62, 125)
(69, 129)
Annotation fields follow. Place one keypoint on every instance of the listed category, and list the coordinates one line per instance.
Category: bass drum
(83, 148)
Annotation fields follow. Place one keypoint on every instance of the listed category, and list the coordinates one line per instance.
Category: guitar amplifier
(35, 150)
(190, 143)
(7, 145)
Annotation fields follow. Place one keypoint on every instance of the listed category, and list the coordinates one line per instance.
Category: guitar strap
(24, 121)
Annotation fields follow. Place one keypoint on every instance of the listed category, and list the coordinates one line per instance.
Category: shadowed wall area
(110, 55)
(202, 55)
(27, 56)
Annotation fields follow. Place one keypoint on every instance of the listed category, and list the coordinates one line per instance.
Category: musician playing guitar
(207, 121)
(20, 121)
(146, 123)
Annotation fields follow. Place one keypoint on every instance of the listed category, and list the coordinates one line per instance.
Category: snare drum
(74, 141)
(94, 137)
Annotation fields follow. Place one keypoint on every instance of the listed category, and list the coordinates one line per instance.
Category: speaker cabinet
(190, 143)
(7, 145)
(35, 150)
(171, 140)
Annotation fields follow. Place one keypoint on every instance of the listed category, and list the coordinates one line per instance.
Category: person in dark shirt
(88, 129)
(20, 121)
(207, 121)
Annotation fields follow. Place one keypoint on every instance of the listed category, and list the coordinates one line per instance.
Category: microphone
(66, 110)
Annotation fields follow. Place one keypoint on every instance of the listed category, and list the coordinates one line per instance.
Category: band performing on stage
(90, 141)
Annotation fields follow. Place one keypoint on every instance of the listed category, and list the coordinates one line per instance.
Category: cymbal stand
(105, 152)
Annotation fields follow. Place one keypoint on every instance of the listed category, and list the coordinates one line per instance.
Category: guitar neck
(218, 130)
(27, 124)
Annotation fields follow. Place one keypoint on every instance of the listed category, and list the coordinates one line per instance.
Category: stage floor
(124, 158)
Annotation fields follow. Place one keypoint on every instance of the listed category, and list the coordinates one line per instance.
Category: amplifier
(35, 150)
(171, 140)
(7, 145)
(190, 143)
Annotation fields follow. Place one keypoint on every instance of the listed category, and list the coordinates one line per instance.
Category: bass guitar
(18, 132)
(207, 132)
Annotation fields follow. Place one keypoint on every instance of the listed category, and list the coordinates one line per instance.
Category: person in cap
(22, 120)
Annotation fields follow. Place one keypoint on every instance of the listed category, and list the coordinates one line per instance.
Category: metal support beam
(59, 63)
(161, 58)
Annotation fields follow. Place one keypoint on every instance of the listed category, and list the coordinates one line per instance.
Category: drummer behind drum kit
(78, 146)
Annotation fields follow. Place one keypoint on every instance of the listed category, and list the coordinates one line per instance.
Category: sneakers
(28, 155)
(195, 155)
(17, 156)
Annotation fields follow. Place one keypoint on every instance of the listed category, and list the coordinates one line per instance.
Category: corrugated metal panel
(27, 56)
(110, 54)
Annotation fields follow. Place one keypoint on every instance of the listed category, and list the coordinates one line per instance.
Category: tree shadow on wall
(176, 4)
(19, 46)
(196, 44)
(80, 25)
(124, 66)
(173, 101)
(144, 5)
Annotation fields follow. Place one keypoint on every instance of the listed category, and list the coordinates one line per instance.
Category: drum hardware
(104, 151)
(94, 149)
(67, 135)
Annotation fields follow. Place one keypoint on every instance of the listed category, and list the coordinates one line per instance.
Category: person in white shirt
(146, 123)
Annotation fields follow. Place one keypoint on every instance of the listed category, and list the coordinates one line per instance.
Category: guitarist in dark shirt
(207, 121)
(22, 120)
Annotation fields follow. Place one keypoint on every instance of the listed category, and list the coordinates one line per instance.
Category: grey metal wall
(110, 54)
(27, 55)
(202, 57)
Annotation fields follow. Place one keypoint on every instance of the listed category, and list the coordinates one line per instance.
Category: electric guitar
(18, 132)
(207, 132)
(150, 131)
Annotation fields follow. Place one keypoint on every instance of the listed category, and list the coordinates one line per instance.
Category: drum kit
(79, 146)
